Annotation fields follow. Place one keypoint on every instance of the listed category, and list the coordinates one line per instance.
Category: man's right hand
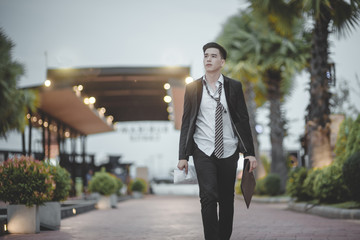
(183, 163)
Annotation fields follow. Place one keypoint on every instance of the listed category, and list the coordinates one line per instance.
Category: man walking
(215, 129)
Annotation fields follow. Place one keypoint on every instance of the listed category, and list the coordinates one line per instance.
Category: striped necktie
(219, 142)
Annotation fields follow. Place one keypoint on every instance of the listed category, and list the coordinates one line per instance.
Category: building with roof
(77, 103)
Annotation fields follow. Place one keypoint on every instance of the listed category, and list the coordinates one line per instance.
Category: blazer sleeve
(244, 126)
(185, 124)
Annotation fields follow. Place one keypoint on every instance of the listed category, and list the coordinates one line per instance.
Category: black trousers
(216, 179)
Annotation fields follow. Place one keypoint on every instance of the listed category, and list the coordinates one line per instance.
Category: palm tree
(247, 74)
(276, 57)
(254, 93)
(15, 103)
(327, 16)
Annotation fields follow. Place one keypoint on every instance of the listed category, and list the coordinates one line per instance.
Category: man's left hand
(253, 163)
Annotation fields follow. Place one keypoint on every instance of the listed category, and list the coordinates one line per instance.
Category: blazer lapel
(227, 92)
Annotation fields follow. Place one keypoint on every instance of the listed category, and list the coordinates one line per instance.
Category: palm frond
(14, 102)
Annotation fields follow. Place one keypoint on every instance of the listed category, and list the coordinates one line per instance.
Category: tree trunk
(277, 122)
(318, 119)
(30, 137)
(23, 142)
(251, 106)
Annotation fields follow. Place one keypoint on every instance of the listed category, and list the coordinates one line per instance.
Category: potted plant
(104, 184)
(138, 187)
(120, 185)
(114, 196)
(50, 212)
(25, 184)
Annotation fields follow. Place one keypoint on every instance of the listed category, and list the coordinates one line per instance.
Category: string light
(109, 119)
(167, 99)
(166, 86)
(92, 100)
(101, 111)
(78, 89)
(47, 83)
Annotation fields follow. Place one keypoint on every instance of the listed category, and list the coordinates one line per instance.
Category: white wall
(155, 147)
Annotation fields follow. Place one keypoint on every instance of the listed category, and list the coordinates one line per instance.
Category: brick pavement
(178, 217)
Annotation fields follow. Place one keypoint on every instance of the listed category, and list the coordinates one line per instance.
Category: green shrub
(268, 185)
(341, 141)
(329, 186)
(103, 183)
(353, 141)
(351, 173)
(63, 183)
(272, 184)
(238, 187)
(309, 183)
(119, 184)
(295, 184)
(138, 185)
(25, 181)
(260, 186)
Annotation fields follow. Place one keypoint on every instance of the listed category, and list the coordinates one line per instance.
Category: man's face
(212, 60)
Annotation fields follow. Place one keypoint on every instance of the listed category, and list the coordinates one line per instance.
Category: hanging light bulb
(47, 83)
(167, 99)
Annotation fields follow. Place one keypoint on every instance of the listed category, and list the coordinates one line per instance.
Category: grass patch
(346, 205)
(269, 196)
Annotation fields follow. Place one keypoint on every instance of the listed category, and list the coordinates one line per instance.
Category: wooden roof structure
(65, 106)
(127, 93)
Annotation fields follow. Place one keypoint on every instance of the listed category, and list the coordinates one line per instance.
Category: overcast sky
(85, 33)
(89, 33)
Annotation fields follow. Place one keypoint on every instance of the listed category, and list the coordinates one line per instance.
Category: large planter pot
(50, 215)
(137, 194)
(113, 200)
(104, 202)
(22, 219)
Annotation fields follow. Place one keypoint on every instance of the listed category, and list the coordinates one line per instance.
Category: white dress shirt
(204, 135)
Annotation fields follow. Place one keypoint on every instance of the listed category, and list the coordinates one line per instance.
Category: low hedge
(329, 186)
(295, 184)
(351, 173)
(309, 183)
(260, 187)
(270, 185)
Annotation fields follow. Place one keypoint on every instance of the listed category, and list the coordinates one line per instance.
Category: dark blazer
(238, 114)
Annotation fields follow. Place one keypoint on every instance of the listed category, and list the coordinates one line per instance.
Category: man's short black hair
(222, 50)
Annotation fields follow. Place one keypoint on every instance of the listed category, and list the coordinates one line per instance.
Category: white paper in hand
(180, 177)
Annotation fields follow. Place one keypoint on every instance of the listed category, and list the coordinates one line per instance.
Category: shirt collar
(220, 80)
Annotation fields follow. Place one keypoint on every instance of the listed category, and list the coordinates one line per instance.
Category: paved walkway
(178, 217)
